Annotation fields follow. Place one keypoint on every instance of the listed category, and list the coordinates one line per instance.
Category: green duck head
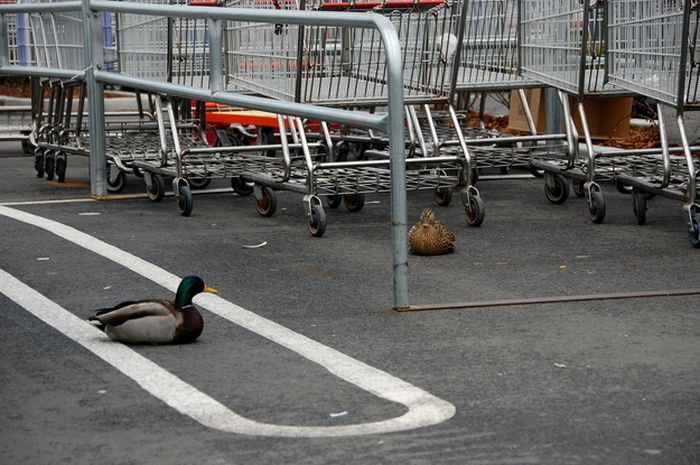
(189, 287)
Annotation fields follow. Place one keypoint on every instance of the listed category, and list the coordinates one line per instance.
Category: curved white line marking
(424, 409)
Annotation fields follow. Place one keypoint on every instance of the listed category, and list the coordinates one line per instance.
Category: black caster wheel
(116, 179)
(199, 183)
(241, 187)
(623, 188)
(184, 201)
(317, 221)
(596, 209)
(639, 207)
(354, 202)
(443, 196)
(579, 188)
(267, 204)
(39, 163)
(61, 163)
(536, 172)
(157, 189)
(557, 189)
(49, 165)
(475, 211)
(694, 231)
(334, 201)
(27, 147)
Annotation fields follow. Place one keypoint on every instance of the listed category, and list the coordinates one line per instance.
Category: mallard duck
(428, 237)
(155, 321)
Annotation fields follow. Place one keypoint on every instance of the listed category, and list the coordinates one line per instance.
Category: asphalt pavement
(594, 382)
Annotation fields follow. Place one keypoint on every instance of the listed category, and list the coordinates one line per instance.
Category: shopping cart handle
(387, 5)
(205, 3)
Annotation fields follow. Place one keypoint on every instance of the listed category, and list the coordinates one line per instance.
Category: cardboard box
(608, 117)
(516, 117)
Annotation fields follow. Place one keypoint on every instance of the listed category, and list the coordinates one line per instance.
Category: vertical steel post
(216, 59)
(554, 116)
(94, 59)
(4, 47)
(395, 131)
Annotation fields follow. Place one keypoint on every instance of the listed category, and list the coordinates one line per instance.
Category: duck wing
(130, 310)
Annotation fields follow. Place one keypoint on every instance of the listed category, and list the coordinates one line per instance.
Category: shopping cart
(489, 62)
(54, 40)
(177, 51)
(563, 45)
(16, 125)
(652, 50)
(341, 67)
(15, 119)
(61, 131)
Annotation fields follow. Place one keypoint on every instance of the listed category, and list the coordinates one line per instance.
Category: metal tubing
(528, 113)
(216, 58)
(39, 71)
(688, 158)
(41, 7)
(664, 146)
(391, 124)
(570, 128)
(93, 49)
(334, 115)
(590, 160)
(395, 131)
(4, 47)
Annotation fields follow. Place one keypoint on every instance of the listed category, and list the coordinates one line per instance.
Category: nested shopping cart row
(448, 48)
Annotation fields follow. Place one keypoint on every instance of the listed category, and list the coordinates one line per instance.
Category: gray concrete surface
(607, 382)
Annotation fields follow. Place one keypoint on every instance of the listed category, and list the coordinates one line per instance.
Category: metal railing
(95, 77)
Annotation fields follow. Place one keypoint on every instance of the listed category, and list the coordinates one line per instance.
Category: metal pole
(216, 48)
(395, 131)
(553, 111)
(4, 48)
(94, 59)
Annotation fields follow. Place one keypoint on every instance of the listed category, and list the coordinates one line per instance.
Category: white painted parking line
(424, 409)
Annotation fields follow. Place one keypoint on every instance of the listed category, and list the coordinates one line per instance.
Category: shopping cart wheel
(639, 207)
(116, 179)
(317, 221)
(49, 165)
(556, 188)
(443, 196)
(354, 202)
(536, 172)
(61, 169)
(579, 188)
(27, 147)
(334, 201)
(184, 201)
(156, 190)
(39, 163)
(694, 231)
(596, 209)
(199, 183)
(623, 188)
(267, 203)
(241, 187)
(475, 211)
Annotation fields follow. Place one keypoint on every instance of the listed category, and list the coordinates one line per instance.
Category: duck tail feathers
(94, 321)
